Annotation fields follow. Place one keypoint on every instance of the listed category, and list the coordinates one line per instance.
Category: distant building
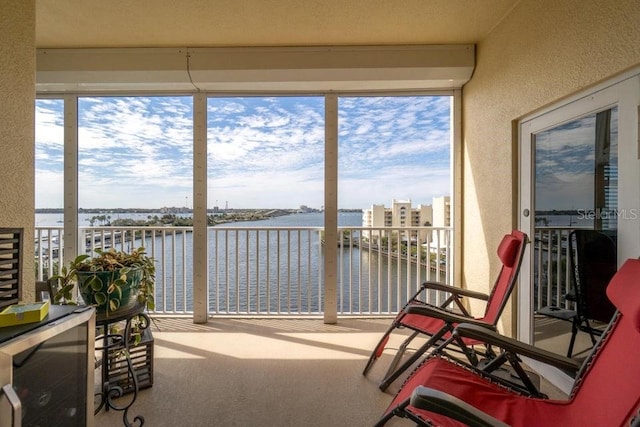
(306, 209)
(400, 214)
(403, 214)
(174, 210)
(441, 211)
(441, 218)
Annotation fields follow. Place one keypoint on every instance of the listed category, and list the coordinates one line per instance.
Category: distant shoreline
(175, 210)
(156, 219)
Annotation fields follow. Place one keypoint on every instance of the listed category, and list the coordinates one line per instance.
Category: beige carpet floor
(263, 373)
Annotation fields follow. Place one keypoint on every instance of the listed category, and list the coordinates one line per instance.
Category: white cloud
(49, 188)
(262, 152)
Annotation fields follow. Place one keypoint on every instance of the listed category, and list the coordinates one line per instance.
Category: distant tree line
(172, 220)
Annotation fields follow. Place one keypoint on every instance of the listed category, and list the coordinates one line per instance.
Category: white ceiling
(235, 23)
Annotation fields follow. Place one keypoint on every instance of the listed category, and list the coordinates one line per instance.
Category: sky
(565, 163)
(262, 152)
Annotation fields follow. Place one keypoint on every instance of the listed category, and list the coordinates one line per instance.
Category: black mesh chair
(593, 262)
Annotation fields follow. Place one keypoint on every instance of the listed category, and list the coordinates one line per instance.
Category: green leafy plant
(104, 279)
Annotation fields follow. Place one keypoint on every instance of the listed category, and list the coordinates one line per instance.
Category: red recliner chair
(437, 322)
(606, 392)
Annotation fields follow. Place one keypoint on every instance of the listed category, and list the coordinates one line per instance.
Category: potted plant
(110, 281)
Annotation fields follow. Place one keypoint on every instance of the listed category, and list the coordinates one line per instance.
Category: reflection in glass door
(576, 173)
(575, 187)
(579, 169)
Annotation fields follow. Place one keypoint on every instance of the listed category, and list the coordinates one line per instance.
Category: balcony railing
(280, 271)
(551, 269)
(273, 270)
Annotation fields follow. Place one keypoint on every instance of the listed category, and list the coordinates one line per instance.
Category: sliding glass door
(579, 169)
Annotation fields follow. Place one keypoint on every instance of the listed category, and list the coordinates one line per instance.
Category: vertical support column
(330, 209)
(17, 131)
(200, 230)
(455, 275)
(73, 244)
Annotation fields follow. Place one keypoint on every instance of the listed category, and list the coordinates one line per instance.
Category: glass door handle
(15, 403)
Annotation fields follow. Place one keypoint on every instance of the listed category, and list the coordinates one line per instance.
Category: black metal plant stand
(116, 342)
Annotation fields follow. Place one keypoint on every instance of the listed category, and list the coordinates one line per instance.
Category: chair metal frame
(441, 320)
(584, 292)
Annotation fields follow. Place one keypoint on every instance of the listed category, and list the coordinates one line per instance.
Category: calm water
(246, 277)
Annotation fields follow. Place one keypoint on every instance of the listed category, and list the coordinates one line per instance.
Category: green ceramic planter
(107, 291)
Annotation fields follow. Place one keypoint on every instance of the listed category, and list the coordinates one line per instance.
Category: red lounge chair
(606, 391)
(437, 322)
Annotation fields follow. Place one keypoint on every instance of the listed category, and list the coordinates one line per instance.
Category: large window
(265, 167)
(49, 160)
(265, 170)
(393, 147)
(394, 156)
(135, 152)
(265, 152)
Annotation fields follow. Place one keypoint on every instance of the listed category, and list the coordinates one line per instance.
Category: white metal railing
(551, 271)
(265, 270)
(275, 270)
(169, 246)
(389, 265)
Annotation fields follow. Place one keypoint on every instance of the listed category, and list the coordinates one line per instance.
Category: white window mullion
(331, 209)
(200, 232)
(72, 239)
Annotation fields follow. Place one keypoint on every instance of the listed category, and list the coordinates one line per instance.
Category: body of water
(254, 268)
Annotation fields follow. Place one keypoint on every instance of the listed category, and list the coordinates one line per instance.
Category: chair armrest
(444, 315)
(571, 295)
(487, 336)
(443, 403)
(437, 286)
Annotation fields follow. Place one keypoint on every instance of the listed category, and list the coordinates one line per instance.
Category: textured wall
(543, 51)
(17, 98)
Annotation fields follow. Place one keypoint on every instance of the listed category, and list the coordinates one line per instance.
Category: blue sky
(565, 163)
(263, 152)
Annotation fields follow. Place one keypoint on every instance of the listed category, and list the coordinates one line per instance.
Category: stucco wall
(542, 51)
(17, 95)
